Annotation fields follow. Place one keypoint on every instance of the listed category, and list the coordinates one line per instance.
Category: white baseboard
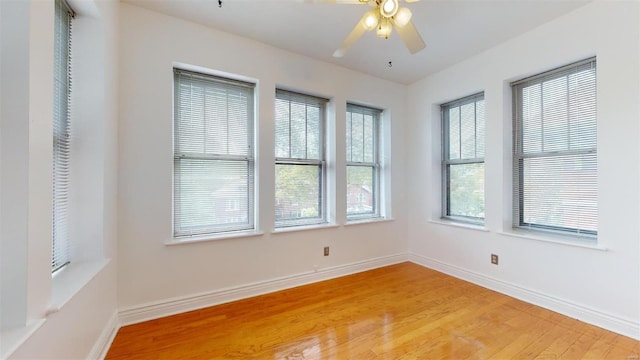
(155, 310)
(102, 345)
(583, 313)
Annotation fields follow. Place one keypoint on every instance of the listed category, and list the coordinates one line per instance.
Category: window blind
(61, 244)
(363, 166)
(463, 133)
(300, 159)
(213, 154)
(555, 150)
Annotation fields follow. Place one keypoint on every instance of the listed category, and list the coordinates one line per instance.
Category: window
(213, 154)
(300, 159)
(555, 167)
(463, 159)
(61, 243)
(363, 167)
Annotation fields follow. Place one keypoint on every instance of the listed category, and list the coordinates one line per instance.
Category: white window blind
(555, 158)
(363, 166)
(61, 244)
(213, 154)
(300, 159)
(463, 133)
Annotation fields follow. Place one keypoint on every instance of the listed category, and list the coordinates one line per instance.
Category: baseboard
(102, 345)
(155, 310)
(583, 313)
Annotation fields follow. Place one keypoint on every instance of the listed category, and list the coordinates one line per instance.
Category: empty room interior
(296, 179)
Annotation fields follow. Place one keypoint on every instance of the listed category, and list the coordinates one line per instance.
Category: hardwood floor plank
(403, 311)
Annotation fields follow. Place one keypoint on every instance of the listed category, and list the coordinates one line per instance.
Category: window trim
(249, 159)
(446, 162)
(322, 218)
(375, 165)
(518, 222)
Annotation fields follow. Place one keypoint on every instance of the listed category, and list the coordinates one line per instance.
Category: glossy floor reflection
(402, 311)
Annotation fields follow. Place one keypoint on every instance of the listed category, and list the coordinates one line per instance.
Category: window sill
(13, 338)
(368, 221)
(554, 239)
(304, 228)
(458, 224)
(212, 237)
(71, 279)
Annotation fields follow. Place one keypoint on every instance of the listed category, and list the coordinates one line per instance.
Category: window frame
(374, 165)
(519, 156)
(322, 218)
(446, 162)
(249, 158)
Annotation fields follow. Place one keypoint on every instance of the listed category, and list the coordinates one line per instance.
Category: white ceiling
(452, 29)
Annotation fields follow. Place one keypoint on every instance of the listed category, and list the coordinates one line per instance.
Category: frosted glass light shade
(388, 8)
(403, 17)
(370, 20)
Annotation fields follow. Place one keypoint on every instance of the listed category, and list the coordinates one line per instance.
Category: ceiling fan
(385, 16)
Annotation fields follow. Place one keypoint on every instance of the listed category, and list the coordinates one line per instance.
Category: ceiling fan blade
(355, 34)
(411, 37)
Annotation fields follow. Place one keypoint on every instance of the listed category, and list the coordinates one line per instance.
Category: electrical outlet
(494, 259)
(326, 251)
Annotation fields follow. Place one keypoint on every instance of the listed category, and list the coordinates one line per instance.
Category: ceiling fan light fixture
(388, 8)
(403, 17)
(384, 29)
(384, 17)
(370, 20)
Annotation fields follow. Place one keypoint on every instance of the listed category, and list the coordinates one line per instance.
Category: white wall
(149, 270)
(598, 286)
(71, 315)
(15, 145)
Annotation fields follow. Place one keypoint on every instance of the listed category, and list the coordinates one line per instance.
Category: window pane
(555, 167)
(531, 104)
(212, 119)
(357, 137)
(369, 138)
(480, 129)
(463, 162)
(313, 135)
(360, 190)
(300, 173)
(282, 129)
(468, 131)
(61, 243)
(454, 133)
(582, 109)
(466, 189)
(363, 168)
(213, 154)
(298, 192)
(349, 135)
(298, 126)
(555, 135)
(561, 192)
(211, 194)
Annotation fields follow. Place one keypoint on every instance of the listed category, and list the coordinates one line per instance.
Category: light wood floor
(402, 311)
